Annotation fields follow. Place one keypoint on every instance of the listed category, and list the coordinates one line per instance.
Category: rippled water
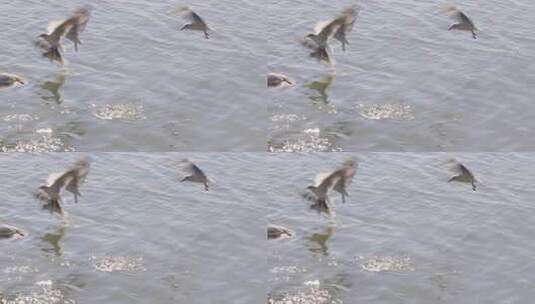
(405, 235)
(405, 83)
(137, 83)
(137, 235)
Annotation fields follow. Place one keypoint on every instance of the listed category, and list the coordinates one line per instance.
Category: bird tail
(53, 54)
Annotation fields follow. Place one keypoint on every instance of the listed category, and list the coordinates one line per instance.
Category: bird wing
(326, 29)
(342, 183)
(80, 19)
(63, 180)
(329, 181)
(350, 14)
(58, 29)
(458, 16)
(465, 171)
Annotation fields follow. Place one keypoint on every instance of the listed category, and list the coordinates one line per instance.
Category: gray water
(405, 235)
(137, 82)
(137, 235)
(405, 83)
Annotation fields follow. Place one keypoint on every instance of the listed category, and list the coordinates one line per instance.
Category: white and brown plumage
(192, 173)
(462, 173)
(70, 180)
(278, 80)
(337, 180)
(195, 22)
(11, 232)
(277, 232)
(463, 22)
(70, 28)
(8, 80)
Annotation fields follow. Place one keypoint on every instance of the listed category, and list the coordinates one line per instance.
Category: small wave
(126, 111)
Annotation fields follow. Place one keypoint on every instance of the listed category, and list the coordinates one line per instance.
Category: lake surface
(137, 82)
(137, 235)
(405, 235)
(405, 83)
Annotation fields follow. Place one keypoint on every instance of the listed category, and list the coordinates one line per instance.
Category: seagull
(7, 80)
(194, 174)
(70, 180)
(337, 180)
(276, 232)
(70, 28)
(350, 15)
(8, 232)
(278, 80)
(196, 23)
(337, 27)
(463, 174)
(463, 22)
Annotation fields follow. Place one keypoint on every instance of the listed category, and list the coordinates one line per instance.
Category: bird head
(186, 27)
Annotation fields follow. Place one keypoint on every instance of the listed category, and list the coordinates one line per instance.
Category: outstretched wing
(79, 22)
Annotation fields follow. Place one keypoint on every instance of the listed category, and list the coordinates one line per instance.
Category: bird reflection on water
(317, 242)
(51, 241)
(320, 86)
(53, 86)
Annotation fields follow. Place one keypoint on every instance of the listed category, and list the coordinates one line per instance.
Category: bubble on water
(388, 264)
(124, 111)
(44, 293)
(310, 140)
(393, 111)
(288, 269)
(44, 143)
(21, 269)
(118, 263)
(312, 295)
(20, 117)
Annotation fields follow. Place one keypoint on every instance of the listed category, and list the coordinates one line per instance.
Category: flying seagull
(276, 232)
(337, 180)
(71, 28)
(7, 80)
(462, 174)
(195, 22)
(8, 232)
(70, 180)
(278, 80)
(463, 22)
(192, 173)
(337, 27)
